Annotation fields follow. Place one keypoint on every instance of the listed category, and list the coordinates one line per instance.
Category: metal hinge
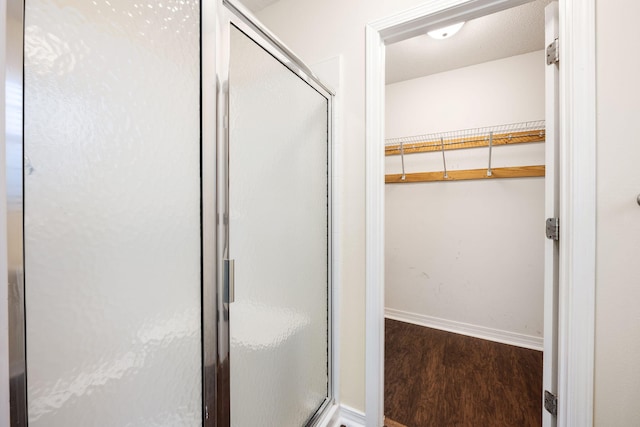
(551, 403)
(553, 228)
(553, 53)
(229, 280)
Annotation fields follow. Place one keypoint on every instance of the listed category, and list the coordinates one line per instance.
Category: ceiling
(507, 33)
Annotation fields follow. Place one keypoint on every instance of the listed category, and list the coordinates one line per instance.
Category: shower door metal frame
(231, 13)
(15, 278)
(18, 405)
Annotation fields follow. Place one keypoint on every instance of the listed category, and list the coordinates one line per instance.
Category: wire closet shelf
(533, 131)
(515, 133)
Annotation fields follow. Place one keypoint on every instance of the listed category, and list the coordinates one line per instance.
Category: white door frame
(576, 305)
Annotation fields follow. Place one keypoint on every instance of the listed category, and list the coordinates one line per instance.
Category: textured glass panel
(278, 238)
(112, 213)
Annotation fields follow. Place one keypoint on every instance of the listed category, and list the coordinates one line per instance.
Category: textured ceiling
(507, 33)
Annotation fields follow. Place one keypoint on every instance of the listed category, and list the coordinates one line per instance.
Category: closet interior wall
(467, 256)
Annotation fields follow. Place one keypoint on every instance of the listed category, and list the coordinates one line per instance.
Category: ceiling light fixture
(446, 32)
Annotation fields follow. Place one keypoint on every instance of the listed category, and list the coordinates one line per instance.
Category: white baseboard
(497, 335)
(350, 417)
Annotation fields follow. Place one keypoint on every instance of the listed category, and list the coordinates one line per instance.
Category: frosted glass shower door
(278, 238)
(112, 213)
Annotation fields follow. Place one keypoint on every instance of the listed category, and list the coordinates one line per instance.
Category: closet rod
(516, 133)
(461, 175)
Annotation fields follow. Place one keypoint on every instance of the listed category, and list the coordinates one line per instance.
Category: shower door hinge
(229, 281)
(553, 53)
(551, 403)
(553, 228)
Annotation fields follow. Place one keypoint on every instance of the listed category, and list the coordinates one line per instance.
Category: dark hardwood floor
(437, 378)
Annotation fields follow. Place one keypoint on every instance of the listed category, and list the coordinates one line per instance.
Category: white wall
(508, 90)
(468, 251)
(617, 380)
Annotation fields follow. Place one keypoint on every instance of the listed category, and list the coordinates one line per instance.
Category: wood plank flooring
(436, 378)
(388, 422)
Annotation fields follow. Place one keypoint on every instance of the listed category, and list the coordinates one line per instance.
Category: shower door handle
(229, 280)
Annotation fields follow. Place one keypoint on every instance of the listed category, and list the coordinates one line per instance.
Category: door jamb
(576, 304)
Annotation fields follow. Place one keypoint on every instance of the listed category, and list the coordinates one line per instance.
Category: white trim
(577, 255)
(334, 78)
(576, 313)
(374, 229)
(440, 13)
(337, 229)
(552, 210)
(350, 417)
(497, 335)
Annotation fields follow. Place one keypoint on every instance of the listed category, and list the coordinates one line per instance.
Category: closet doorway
(470, 128)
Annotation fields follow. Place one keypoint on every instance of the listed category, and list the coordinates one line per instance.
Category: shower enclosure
(169, 216)
(274, 198)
